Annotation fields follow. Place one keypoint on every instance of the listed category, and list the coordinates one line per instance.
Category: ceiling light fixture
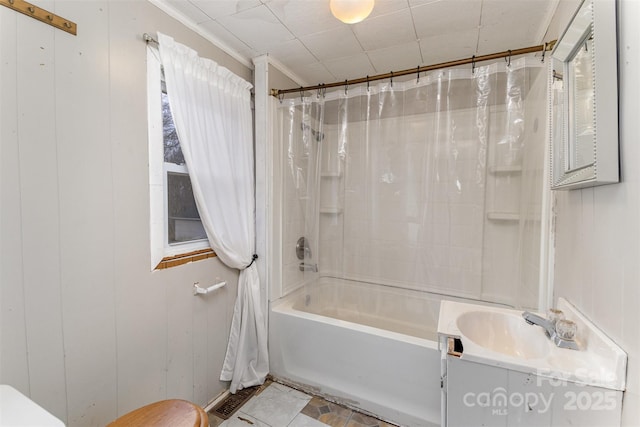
(351, 11)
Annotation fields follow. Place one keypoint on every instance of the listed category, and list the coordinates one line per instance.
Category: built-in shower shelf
(505, 169)
(503, 216)
(333, 210)
(331, 174)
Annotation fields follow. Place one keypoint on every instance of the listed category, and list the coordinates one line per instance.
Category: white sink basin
(501, 337)
(504, 333)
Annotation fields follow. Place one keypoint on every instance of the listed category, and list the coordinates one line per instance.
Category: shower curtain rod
(473, 60)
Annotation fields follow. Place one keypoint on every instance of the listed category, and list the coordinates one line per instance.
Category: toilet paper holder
(198, 290)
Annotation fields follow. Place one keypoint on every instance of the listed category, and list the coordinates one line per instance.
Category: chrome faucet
(308, 267)
(534, 319)
(566, 341)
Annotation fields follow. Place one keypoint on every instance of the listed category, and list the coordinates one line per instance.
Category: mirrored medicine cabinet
(583, 100)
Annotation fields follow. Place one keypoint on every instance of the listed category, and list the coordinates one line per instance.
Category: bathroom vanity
(498, 370)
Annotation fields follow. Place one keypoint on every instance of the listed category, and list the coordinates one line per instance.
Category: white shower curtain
(212, 113)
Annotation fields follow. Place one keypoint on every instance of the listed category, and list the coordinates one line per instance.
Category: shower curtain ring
(391, 80)
(367, 83)
(346, 86)
(281, 97)
(301, 94)
(509, 59)
(473, 64)
(544, 50)
(418, 72)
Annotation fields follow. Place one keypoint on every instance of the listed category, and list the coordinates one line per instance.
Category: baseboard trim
(217, 400)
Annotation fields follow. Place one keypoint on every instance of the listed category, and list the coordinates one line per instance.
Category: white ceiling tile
(193, 13)
(399, 34)
(228, 38)
(314, 73)
(257, 27)
(520, 20)
(414, 3)
(446, 17)
(304, 17)
(337, 43)
(396, 58)
(219, 8)
(490, 40)
(385, 7)
(351, 67)
(524, 11)
(387, 30)
(292, 52)
(448, 47)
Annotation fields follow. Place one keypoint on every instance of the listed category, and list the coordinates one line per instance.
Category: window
(183, 220)
(177, 234)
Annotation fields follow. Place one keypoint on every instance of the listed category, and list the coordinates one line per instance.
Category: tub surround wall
(403, 223)
(88, 332)
(294, 178)
(597, 245)
(513, 220)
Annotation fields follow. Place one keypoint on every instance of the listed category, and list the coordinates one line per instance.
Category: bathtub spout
(308, 267)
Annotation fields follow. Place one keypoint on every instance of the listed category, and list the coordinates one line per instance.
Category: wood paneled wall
(87, 331)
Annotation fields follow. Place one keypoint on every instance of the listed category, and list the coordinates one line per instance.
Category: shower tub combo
(370, 347)
(419, 185)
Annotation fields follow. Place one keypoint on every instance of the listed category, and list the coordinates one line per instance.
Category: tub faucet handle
(308, 267)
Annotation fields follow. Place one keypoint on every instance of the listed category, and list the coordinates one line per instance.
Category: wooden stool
(167, 413)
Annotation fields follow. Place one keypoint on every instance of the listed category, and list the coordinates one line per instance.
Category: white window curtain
(212, 113)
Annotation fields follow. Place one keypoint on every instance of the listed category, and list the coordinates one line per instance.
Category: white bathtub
(371, 347)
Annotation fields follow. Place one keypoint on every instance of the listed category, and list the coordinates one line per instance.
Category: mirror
(583, 99)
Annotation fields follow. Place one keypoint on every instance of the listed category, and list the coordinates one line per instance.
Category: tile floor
(277, 405)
